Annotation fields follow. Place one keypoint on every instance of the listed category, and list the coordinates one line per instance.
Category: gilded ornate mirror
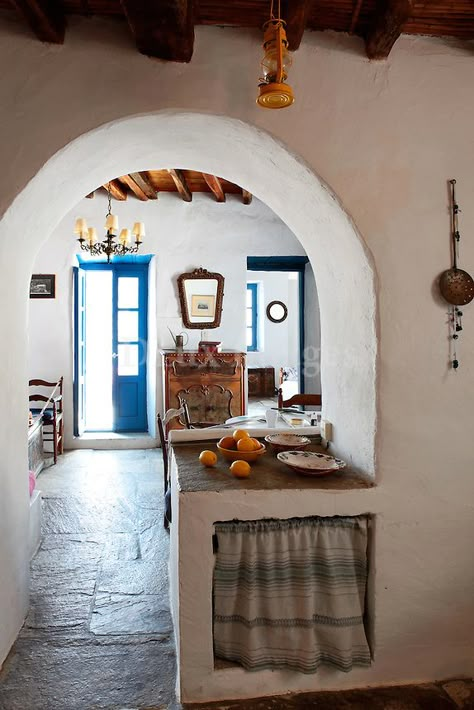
(200, 295)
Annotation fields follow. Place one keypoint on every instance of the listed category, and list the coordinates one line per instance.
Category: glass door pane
(98, 360)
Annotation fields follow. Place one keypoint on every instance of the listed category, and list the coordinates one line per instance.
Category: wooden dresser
(212, 385)
(261, 382)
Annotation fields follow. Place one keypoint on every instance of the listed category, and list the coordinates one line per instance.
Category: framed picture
(203, 306)
(43, 286)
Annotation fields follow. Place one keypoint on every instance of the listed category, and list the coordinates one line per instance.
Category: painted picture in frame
(43, 286)
(203, 306)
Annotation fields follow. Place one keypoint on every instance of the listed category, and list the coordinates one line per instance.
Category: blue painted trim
(276, 263)
(129, 259)
(252, 287)
(75, 379)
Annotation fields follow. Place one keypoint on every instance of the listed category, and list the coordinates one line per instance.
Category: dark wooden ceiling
(148, 184)
(165, 28)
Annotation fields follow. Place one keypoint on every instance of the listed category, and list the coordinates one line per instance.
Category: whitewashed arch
(249, 157)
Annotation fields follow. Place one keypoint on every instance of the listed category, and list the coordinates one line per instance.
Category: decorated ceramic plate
(287, 442)
(309, 463)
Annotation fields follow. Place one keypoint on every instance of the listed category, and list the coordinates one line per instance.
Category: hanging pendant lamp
(274, 91)
(88, 235)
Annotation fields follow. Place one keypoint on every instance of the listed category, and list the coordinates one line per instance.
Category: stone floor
(98, 635)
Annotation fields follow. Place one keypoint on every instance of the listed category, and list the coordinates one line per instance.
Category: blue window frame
(251, 312)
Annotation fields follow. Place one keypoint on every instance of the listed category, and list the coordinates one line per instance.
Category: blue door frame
(287, 263)
(128, 381)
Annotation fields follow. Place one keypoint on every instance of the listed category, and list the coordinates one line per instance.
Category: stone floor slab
(57, 612)
(130, 614)
(134, 577)
(45, 676)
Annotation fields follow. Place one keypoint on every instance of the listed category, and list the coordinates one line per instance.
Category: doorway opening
(110, 349)
(276, 337)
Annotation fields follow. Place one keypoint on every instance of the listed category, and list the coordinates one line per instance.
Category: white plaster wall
(183, 236)
(312, 353)
(385, 136)
(279, 342)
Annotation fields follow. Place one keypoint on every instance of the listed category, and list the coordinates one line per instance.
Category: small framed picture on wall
(43, 286)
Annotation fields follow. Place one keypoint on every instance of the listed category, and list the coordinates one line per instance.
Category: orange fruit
(240, 469)
(245, 444)
(208, 458)
(240, 434)
(227, 442)
(256, 444)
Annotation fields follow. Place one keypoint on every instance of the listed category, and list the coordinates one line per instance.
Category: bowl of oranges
(240, 447)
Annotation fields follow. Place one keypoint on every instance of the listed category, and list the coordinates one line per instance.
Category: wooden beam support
(216, 187)
(91, 195)
(390, 18)
(355, 16)
(181, 184)
(143, 182)
(116, 190)
(295, 13)
(162, 29)
(139, 185)
(45, 17)
(246, 197)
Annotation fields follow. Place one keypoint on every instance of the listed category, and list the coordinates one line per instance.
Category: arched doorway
(247, 156)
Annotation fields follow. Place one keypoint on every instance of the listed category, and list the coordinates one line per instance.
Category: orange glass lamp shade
(274, 92)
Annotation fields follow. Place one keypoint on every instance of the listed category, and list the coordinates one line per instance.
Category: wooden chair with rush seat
(49, 406)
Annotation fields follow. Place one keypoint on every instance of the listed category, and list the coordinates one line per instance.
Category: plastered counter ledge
(203, 496)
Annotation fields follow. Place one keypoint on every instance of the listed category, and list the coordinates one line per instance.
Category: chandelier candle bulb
(112, 223)
(81, 226)
(124, 236)
(92, 234)
(138, 230)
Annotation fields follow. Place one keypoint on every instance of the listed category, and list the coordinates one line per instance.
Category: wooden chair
(310, 400)
(50, 410)
(166, 482)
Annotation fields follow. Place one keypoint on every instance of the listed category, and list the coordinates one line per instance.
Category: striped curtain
(291, 593)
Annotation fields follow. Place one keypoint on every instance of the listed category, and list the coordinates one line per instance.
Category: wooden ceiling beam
(216, 187)
(295, 13)
(391, 16)
(143, 182)
(162, 29)
(355, 16)
(246, 197)
(137, 191)
(139, 185)
(116, 190)
(181, 184)
(45, 17)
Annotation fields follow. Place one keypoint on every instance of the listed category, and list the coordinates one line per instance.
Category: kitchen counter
(268, 473)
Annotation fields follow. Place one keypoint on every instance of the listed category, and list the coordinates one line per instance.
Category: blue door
(129, 328)
(110, 347)
(79, 392)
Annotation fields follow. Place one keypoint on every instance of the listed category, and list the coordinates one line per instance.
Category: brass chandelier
(108, 246)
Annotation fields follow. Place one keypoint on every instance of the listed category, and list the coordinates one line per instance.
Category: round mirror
(277, 312)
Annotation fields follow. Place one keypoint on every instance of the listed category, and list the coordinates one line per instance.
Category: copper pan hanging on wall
(456, 285)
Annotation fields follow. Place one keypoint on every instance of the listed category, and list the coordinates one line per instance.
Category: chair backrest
(51, 400)
(310, 400)
(164, 449)
(187, 418)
